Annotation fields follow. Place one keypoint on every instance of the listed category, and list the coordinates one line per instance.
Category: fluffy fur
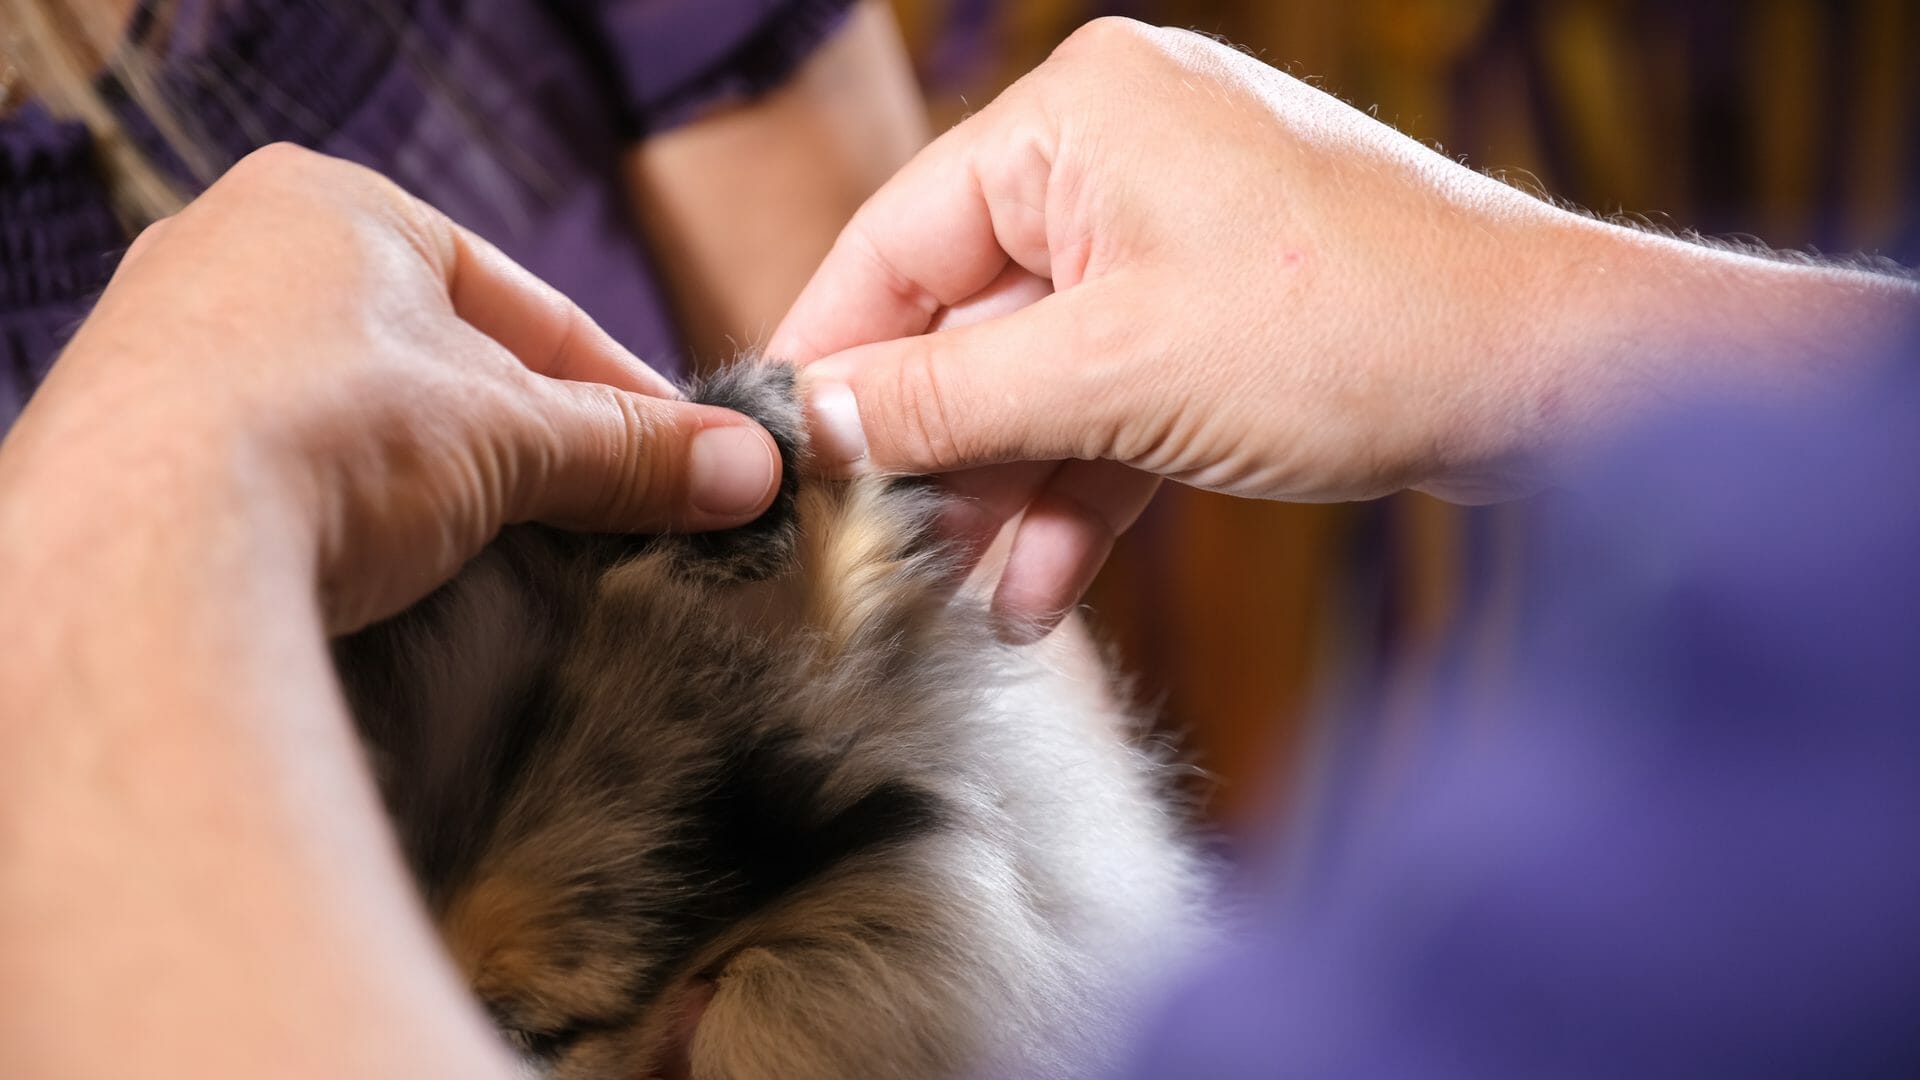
(770, 803)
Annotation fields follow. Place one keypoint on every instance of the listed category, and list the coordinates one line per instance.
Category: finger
(1063, 541)
(981, 501)
(602, 459)
(1015, 288)
(145, 241)
(537, 324)
(939, 232)
(1040, 384)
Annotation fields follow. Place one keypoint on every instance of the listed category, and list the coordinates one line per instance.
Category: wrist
(156, 488)
(116, 547)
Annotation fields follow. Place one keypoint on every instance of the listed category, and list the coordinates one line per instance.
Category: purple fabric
(509, 115)
(56, 233)
(747, 47)
(1684, 841)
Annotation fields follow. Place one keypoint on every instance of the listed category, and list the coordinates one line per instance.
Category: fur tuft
(763, 390)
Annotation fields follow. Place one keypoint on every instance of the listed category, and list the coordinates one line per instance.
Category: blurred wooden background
(1796, 121)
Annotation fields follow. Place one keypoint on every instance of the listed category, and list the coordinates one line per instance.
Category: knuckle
(924, 419)
(288, 167)
(1114, 357)
(629, 470)
(380, 191)
(275, 165)
(149, 236)
(1105, 35)
(307, 189)
(278, 156)
(901, 288)
(527, 445)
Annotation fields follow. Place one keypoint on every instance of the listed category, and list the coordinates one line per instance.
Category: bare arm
(194, 872)
(741, 207)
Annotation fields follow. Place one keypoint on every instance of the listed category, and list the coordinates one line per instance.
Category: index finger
(537, 323)
(943, 229)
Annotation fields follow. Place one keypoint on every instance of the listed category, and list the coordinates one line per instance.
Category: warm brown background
(1793, 120)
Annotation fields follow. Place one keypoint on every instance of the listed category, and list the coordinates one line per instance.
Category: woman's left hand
(308, 348)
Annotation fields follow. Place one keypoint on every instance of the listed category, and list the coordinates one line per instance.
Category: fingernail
(731, 471)
(839, 440)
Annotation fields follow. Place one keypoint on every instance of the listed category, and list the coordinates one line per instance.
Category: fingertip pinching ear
(765, 391)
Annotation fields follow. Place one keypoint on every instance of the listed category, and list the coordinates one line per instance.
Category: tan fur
(859, 582)
(499, 935)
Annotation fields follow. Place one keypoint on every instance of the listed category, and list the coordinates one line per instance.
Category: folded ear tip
(764, 390)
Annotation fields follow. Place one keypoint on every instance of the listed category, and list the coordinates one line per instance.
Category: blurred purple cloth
(509, 115)
(1683, 840)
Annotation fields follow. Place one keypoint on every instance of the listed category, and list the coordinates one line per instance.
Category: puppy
(771, 803)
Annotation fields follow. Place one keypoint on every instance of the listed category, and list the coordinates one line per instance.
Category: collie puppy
(772, 803)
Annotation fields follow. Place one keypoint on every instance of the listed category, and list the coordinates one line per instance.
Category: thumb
(611, 460)
(1041, 384)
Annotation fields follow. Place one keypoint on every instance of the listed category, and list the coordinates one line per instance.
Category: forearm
(194, 871)
(1759, 321)
(1585, 325)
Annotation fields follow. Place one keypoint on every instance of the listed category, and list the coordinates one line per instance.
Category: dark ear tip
(764, 390)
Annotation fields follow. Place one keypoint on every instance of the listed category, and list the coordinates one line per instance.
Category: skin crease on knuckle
(904, 290)
(1014, 180)
(1107, 338)
(640, 474)
(540, 431)
(926, 408)
(509, 454)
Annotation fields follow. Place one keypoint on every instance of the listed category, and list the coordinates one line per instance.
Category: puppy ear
(764, 390)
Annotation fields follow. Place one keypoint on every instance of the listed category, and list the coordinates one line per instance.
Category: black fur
(763, 547)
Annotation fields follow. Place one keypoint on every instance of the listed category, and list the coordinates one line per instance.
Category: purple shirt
(509, 115)
(1681, 840)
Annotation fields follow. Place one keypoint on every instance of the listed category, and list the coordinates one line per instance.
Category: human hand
(1155, 256)
(1254, 289)
(308, 347)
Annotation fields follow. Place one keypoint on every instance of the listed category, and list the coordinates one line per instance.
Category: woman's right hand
(1155, 256)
